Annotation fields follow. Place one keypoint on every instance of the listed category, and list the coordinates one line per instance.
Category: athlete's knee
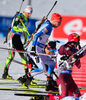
(11, 58)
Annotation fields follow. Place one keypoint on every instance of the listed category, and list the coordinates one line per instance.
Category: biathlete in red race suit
(67, 86)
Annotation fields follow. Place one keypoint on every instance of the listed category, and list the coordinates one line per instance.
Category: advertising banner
(71, 24)
(5, 23)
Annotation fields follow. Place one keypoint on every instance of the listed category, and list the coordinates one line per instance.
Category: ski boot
(54, 83)
(33, 83)
(50, 86)
(25, 80)
(22, 80)
(6, 75)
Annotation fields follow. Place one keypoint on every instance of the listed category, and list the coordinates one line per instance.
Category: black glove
(76, 56)
(37, 59)
(65, 57)
(33, 48)
(33, 51)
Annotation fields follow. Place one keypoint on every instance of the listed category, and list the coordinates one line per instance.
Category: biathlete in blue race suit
(39, 41)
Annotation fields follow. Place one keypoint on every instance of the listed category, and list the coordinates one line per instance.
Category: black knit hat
(52, 44)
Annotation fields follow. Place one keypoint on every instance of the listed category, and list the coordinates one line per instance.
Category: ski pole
(21, 5)
(23, 51)
(22, 63)
(42, 21)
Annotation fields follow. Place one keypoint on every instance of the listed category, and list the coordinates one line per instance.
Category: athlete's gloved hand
(33, 51)
(37, 59)
(24, 29)
(33, 48)
(76, 56)
(65, 57)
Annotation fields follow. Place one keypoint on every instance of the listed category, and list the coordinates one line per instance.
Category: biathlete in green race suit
(13, 38)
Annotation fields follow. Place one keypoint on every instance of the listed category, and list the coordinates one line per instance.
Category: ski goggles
(53, 50)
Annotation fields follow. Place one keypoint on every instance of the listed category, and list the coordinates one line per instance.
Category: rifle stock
(29, 41)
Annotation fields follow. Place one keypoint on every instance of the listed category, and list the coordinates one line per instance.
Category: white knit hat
(28, 9)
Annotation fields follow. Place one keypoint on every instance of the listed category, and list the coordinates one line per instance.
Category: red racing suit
(67, 86)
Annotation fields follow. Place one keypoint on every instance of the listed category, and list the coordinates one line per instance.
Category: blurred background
(73, 13)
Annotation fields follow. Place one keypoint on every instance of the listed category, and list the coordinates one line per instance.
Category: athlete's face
(56, 24)
(47, 51)
(74, 44)
(27, 14)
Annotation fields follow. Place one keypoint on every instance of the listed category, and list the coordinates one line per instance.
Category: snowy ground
(16, 70)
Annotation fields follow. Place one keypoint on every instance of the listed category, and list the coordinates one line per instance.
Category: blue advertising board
(5, 24)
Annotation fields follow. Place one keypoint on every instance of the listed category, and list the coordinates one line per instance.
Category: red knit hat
(56, 17)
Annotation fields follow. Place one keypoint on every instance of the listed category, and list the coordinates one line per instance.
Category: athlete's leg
(19, 46)
(11, 56)
(63, 78)
(73, 88)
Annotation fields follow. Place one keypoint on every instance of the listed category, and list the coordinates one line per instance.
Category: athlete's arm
(43, 31)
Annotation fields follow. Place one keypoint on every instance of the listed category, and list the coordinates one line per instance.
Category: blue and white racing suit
(39, 40)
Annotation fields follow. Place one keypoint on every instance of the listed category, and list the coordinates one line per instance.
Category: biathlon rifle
(74, 57)
(13, 17)
(42, 21)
